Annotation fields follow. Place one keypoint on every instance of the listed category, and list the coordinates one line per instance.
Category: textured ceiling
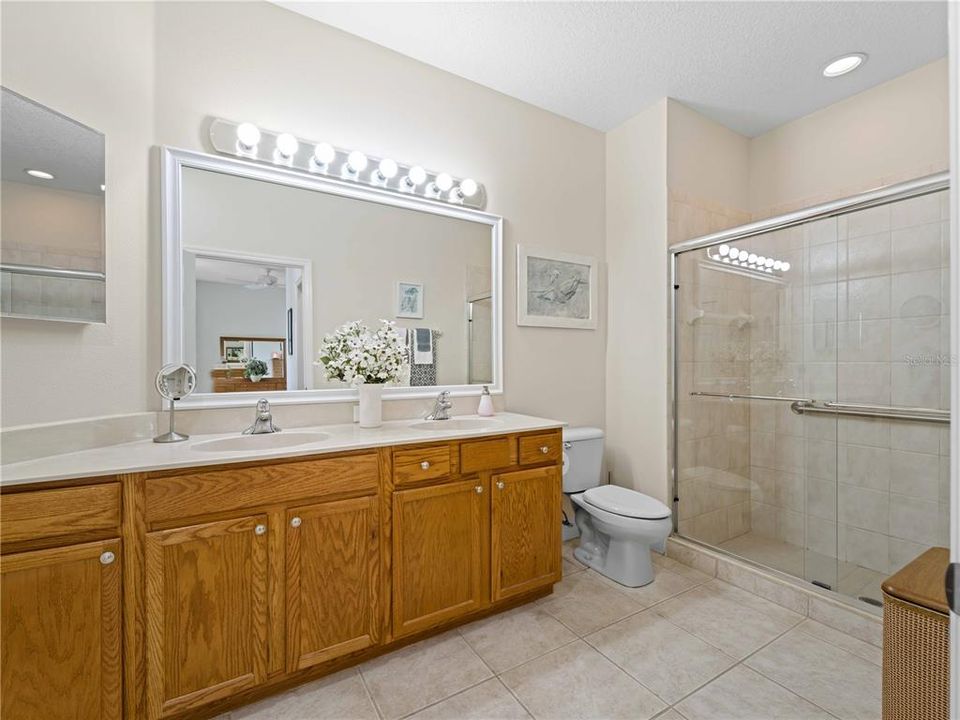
(35, 137)
(749, 65)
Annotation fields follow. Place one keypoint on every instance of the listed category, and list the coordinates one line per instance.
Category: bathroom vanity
(192, 581)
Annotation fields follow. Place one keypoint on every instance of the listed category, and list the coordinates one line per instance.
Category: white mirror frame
(173, 162)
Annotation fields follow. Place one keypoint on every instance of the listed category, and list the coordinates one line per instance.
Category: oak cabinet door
(439, 541)
(333, 572)
(61, 633)
(206, 593)
(525, 531)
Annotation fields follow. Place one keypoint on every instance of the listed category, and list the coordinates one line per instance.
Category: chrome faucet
(441, 408)
(264, 421)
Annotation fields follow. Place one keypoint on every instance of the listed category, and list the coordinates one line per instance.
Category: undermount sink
(456, 424)
(265, 441)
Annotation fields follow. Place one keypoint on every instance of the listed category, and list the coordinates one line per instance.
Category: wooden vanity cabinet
(206, 609)
(439, 559)
(61, 633)
(524, 531)
(332, 580)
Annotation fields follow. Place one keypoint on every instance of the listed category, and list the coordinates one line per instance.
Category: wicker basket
(916, 637)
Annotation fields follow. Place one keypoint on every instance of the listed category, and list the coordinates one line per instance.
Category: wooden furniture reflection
(232, 380)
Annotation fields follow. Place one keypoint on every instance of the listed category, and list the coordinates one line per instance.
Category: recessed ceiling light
(844, 64)
(43, 175)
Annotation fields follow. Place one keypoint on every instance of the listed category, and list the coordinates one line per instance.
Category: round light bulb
(387, 169)
(323, 154)
(843, 65)
(785, 266)
(443, 182)
(287, 145)
(248, 135)
(761, 260)
(769, 262)
(724, 250)
(416, 176)
(743, 255)
(752, 258)
(777, 264)
(734, 252)
(468, 188)
(356, 162)
(41, 174)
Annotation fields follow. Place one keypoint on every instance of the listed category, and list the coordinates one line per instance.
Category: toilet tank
(582, 458)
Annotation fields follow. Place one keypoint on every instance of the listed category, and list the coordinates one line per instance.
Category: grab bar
(53, 272)
(890, 412)
(735, 396)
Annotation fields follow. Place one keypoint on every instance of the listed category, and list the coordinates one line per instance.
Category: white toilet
(617, 526)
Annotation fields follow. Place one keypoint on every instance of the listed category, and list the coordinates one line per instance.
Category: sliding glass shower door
(811, 372)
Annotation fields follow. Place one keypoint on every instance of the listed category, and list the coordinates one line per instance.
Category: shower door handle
(952, 581)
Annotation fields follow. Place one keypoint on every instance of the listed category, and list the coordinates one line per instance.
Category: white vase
(256, 378)
(371, 405)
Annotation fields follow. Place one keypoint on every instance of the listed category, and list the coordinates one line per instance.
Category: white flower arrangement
(355, 354)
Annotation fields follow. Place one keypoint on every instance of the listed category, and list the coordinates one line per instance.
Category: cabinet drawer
(201, 493)
(40, 514)
(489, 454)
(543, 448)
(418, 464)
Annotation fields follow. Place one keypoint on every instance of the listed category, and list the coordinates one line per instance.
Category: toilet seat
(626, 503)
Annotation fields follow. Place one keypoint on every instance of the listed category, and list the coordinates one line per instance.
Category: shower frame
(880, 196)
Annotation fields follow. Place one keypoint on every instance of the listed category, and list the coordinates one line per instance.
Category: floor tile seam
(788, 689)
(742, 663)
(685, 590)
(773, 680)
(538, 657)
(837, 645)
(444, 699)
(366, 689)
(517, 697)
(634, 677)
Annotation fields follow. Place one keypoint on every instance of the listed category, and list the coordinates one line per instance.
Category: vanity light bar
(247, 141)
(742, 258)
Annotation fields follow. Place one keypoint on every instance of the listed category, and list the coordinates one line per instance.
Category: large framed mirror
(261, 262)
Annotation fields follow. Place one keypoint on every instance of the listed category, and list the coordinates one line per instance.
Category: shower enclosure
(811, 358)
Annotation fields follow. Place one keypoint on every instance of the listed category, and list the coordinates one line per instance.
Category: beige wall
(151, 74)
(636, 363)
(892, 132)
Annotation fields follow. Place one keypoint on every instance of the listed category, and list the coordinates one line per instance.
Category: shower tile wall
(861, 318)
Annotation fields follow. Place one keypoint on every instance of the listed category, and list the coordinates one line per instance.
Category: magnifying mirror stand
(172, 436)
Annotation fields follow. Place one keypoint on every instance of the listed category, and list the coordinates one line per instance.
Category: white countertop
(146, 455)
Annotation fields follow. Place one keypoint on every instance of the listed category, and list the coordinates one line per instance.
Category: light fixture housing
(281, 149)
(39, 174)
(844, 64)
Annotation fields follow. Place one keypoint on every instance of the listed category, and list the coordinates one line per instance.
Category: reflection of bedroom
(241, 314)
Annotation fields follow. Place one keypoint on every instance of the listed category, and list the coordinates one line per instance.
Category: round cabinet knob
(479, 489)
(544, 449)
(500, 484)
(425, 465)
(295, 522)
(107, 558)
(260, 529)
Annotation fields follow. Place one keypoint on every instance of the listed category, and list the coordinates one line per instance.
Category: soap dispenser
(485, 408)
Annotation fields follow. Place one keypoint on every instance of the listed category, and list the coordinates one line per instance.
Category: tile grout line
(366, 689)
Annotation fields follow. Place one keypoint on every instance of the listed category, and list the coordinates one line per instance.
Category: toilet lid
(629, 503)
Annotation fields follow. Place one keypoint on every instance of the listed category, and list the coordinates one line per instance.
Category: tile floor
(686, 647)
